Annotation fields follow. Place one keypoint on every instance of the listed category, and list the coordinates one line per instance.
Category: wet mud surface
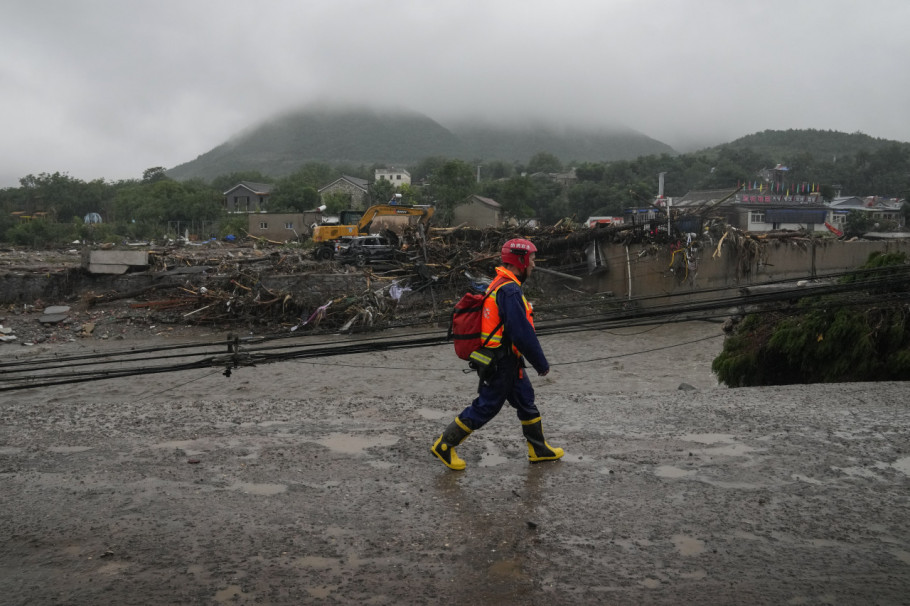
(307, 482)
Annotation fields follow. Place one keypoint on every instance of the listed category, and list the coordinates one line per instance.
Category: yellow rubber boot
(444, 447)
(538, 449)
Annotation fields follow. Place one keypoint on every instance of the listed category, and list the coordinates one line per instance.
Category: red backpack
(464, 329)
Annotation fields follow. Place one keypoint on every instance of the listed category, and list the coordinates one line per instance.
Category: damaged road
(312, 482)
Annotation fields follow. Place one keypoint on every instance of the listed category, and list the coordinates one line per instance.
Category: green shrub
(41, 234)
(824, 340)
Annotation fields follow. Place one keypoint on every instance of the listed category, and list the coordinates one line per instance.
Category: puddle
(69, 449)
(113, 568)
(734, 485)
(651, 583)
(491, 460)
(346, 443)
(259, 489)
(382, 464)
(748, 536)
(321, 593)
(668, 471)
(319, 563)
(10, 450)
(858, 472)
(506, 569)
(708, 438)
(732, 450)
(902, 465)
(686, 545)
(433, 414)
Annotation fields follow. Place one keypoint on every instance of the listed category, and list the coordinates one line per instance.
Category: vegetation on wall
(825, 343)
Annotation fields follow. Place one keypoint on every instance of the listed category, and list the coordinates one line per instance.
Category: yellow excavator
(355, 223)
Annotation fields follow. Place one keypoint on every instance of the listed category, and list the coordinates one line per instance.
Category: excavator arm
(393, 210)
(323, 235)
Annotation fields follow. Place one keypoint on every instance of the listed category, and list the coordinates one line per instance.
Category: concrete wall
(279, 227)
(651, 273)
(662, 273)
(114, 261)
(475, 214)
(358, 197)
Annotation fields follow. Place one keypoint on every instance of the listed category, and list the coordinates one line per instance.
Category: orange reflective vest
(490, 324)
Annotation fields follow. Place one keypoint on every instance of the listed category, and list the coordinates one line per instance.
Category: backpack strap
(491, 290)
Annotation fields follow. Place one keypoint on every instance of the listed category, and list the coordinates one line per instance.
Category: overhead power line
(888, 286)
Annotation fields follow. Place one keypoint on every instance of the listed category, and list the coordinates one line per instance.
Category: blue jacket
(517, 329)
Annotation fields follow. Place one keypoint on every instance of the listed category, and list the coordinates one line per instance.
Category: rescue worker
(508, 324)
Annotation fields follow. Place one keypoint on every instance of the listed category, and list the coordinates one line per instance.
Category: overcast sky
(108, 88)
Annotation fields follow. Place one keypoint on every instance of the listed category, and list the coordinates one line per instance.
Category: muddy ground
(312, 482)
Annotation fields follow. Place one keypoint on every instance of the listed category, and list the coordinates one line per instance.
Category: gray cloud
(107, 88)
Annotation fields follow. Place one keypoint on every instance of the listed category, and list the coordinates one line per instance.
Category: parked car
(363, 250)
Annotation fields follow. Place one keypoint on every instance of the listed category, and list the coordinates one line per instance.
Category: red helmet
(517, 251)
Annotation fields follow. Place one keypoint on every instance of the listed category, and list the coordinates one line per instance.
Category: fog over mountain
(106, 88)
(365, 136)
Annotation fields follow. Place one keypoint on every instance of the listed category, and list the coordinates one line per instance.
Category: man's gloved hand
(543, 373)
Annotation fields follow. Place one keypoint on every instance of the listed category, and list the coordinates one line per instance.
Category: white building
(876, 208)
(397, 176)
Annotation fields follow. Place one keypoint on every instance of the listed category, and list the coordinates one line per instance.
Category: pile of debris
(281, 287)
(237, 284)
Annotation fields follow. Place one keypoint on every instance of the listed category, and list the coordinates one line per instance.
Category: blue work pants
(510, 384)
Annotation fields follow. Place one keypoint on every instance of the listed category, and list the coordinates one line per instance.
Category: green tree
(827, 192)
(513, 195)
(309, 199)
(857, 223)
(233, 225)
(548, 200)
(496, 169)
(335, 202)
(151, 175)
(62, 196)
(293, 193)
(590, 171)
(544, 162)
(426, 168)
(449, 186)
(409, 193)
(381, 191)
(587, 199)
(40, 233)
(156, 204)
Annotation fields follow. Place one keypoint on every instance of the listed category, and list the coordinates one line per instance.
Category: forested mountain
(572, 145)
(366, 137)
(302, 152)
(825, 145)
